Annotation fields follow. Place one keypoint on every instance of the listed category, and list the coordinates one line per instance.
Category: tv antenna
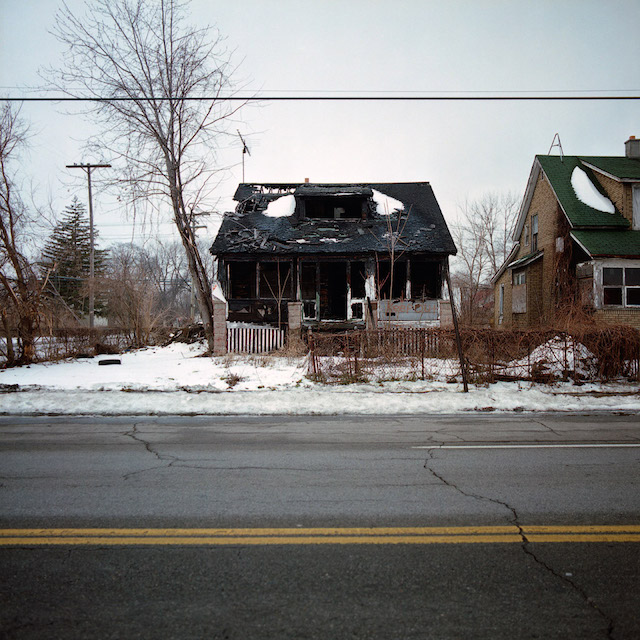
(245, 149)
(557, 144)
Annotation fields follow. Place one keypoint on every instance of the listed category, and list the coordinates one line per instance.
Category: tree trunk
(196, 268)
(26, 335)
(11, 356)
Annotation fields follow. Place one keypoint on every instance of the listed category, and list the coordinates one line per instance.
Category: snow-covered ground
(177, 380)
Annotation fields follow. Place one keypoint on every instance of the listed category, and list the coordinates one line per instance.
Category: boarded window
(519, 292)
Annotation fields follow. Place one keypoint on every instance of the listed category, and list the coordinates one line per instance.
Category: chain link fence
(430, 354)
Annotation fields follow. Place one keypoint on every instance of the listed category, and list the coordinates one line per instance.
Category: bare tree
(22, 297)
(146, 71)
(395, 244)
(483, 238)
(133, 293)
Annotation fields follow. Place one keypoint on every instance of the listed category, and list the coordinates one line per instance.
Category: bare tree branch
(145, 51)
(483, 238)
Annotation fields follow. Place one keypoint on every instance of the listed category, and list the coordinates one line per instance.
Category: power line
(335, 98)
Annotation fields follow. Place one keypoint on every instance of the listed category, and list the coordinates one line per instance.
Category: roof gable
(558, 171)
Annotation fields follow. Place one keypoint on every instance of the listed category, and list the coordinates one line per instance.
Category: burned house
(337, 255)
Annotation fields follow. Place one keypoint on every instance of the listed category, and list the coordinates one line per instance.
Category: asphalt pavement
(447, 527)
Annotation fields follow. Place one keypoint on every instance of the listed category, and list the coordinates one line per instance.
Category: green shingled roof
(620, 167)
(558, 170)
(621, 244)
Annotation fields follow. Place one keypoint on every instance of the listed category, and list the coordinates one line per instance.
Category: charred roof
(334, 219)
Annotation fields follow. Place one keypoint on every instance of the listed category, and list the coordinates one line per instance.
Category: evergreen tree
(67, 256)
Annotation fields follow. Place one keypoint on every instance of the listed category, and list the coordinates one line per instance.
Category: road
(338, 527)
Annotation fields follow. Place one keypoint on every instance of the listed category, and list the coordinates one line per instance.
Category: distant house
(327, 254)
(577, 242)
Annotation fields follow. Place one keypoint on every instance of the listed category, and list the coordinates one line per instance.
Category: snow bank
(556, 359)
(587, 193)
(386, 205)
(176, 380)
(390, 399)
(281, 207)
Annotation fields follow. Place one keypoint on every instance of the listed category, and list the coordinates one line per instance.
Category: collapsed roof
(372, 214)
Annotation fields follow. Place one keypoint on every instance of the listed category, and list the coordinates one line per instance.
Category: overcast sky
(403, 46)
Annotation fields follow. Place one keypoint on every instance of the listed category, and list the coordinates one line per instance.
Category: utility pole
(463, 362)
(194, 227)
(87, 168)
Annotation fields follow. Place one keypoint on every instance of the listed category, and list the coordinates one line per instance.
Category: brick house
(577, 242)
(323, 255)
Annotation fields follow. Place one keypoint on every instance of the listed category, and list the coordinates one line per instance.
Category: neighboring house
(577, 242)
(326, 253)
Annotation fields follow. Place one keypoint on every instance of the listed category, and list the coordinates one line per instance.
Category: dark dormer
(322, 202)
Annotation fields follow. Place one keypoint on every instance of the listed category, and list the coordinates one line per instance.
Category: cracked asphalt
(321, 472)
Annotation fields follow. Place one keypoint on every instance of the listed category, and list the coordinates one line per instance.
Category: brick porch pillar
(371, 315)
(294, 311)
(446, 317)
(219, 328)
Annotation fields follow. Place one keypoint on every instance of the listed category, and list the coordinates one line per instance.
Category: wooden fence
(255, 339)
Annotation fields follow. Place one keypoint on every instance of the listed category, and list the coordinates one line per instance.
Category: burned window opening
(335, 208)
(333, 290)
(426, 279)
(399, 280)
(276, 280)
(357, 310)
(358, 278)
(242, 280)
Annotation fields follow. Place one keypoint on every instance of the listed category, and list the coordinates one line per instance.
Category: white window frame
(599, 287)
(635, 219)
(501, 304)
(519, 277)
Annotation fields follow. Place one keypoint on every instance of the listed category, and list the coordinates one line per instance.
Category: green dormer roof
(558, 171)
(607, 244)
(624, 169)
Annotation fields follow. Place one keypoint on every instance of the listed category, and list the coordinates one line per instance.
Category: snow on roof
(587, 193)
(281, 207)
(386, 205)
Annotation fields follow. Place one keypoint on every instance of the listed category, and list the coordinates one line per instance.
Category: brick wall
(540, 274)
(629, 317)
(620, 194)
(507, 321)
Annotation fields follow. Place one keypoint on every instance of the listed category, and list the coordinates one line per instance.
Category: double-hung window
(534, 232)
(621, 286)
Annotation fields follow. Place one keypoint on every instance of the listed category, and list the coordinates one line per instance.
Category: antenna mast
(245, 149)
(557, 144)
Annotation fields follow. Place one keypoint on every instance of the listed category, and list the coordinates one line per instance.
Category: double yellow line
(320, 535)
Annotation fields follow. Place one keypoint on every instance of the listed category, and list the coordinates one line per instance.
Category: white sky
(463, 149)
